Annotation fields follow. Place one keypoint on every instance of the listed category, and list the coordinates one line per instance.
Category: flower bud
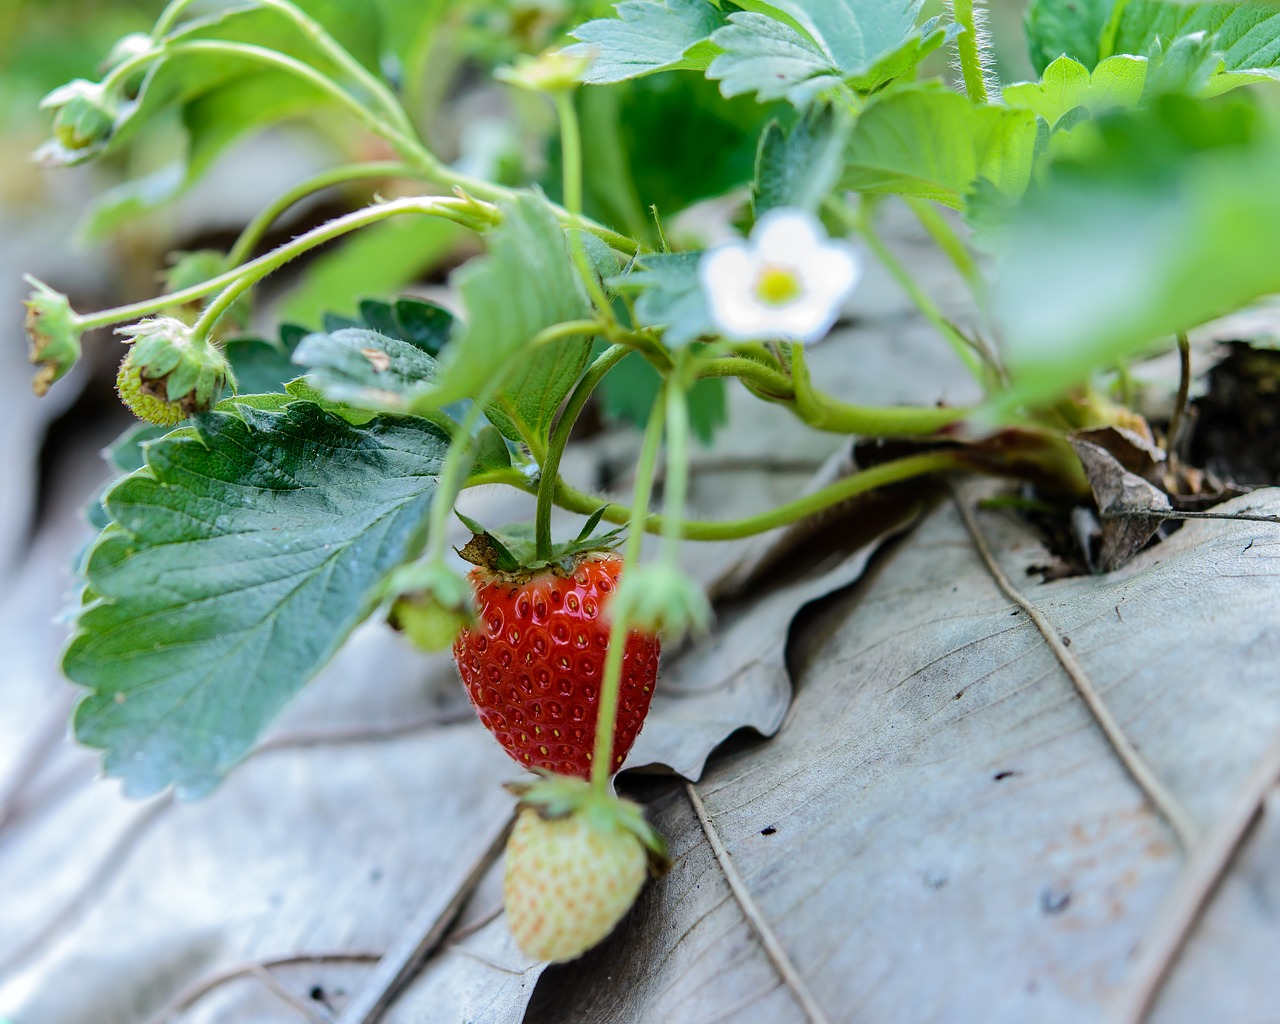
(552, 71)
(84, 121)
(167, 375)
(54, 333)
(431, 604)
(661, 598)
(129, 47)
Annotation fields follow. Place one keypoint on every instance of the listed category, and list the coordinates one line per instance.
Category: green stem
(249, 274)
(570, 151)
(676, 485)
(339, 54)
(958, 342)
(168, 18)
(906, 468)
(261, 55)
(452, 479)
(760, 378)
(602, 760)
(571, 159)
(550, 468)
(322, 40)
(969, 44)
(258, 227)
(941, 231)
(822, 412)
(1107, 44)
(400, 135)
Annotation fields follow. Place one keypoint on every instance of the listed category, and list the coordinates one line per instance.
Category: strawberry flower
(786, 282)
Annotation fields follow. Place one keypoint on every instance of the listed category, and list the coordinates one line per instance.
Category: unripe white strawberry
(572, 875)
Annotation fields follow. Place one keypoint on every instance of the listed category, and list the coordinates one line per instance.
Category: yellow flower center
(777, 285)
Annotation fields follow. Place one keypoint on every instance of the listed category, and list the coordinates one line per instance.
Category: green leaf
(365, 369)
(669, 295)
(238, 562)
(927, 141)
(525, 284)
(895, 63)
(771, 59)
(382, 361)
(854, 34)
(1056, 28)
(221, 98)
(295, 391)
(799, 167)
(420, 323)
(775, 61)
(262, 367)
(1153, 222)
(681, 141)
(126, 453)
(1246, 35)
(647, 36)
(178, 81)
(1067, 84)
(629, 391)
(1185, 67)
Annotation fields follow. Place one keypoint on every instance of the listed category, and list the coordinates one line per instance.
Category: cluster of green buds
(550, 72)
(169, 374)
(87, 115)
(84, 119)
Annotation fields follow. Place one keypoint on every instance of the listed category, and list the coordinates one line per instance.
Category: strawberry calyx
(560, 796)
(511, 553)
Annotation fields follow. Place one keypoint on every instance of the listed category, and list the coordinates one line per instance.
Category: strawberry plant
(1095, 215)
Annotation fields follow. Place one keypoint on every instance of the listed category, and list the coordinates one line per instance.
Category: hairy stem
(602, 766)
(460, 211)
(257, 228)
(969, 45)
(321, 40)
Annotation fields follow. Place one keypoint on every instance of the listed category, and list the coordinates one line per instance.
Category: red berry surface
(534, 661)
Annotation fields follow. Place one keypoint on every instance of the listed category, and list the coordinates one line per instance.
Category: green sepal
(53, 330)
(661, 598)
(513, 549)
(561, 796)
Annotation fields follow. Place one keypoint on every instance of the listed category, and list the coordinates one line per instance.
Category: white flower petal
(727, 275)
(791, 241)
(787, 237)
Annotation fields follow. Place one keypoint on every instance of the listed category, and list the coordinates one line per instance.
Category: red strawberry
(534, 662)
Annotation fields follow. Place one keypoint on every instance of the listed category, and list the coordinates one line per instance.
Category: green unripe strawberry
(167, 374)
